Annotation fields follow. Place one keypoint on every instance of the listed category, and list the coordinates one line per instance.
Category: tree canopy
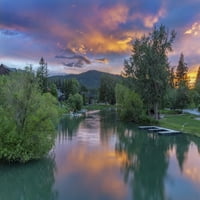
(149, 66)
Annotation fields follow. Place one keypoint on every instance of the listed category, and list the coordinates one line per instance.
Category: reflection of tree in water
(182, 146)
(196, 141)
(68, 126)
(147, 160)
(30, 181)
(108, 125)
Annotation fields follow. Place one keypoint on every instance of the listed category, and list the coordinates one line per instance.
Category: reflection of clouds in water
(192, 165)
(104, 155)
(90, 167)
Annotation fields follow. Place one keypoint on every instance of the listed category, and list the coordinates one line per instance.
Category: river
(101, 158)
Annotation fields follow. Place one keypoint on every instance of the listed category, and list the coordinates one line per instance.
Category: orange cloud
(194, 30)
(112, 17)
(192, 166)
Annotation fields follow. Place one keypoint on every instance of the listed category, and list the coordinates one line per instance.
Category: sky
(75, 36)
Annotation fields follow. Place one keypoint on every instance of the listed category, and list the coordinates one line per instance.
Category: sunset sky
(79, 35)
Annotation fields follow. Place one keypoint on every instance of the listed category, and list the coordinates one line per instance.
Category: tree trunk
(156, 114)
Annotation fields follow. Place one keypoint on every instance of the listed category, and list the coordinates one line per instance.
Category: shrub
(27, 119)
(75, 102)
(129, 104)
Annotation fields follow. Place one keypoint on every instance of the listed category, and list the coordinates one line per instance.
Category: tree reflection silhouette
(147, 160)
(182, 148)
(68, 126)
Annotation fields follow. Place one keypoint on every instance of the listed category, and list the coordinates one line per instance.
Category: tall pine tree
(42, 74)
(181, 72)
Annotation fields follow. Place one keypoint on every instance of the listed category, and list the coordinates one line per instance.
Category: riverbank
(99, 107)
(186, 123)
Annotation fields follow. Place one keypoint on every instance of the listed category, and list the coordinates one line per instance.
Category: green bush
(129, 104)
(27, 118)
(75, 102)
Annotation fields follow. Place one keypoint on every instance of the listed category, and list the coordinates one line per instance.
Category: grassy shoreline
(186, 123)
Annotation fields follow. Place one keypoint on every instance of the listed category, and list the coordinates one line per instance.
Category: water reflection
(148, 157)
(68, 127)
(88, 173)
(147, 163)
(32, 181)
(101, 158)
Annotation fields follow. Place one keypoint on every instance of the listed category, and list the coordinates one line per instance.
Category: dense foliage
(129, 104)
(107, 89)
(148, 66)
(27, 118)
(75, 102)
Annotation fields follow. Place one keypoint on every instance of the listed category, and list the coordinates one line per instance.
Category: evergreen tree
(42, 74)
(198, 77)
(181, 72)
(172, 78)
(149, 66)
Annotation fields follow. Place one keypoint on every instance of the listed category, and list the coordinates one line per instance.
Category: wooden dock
(159, 130)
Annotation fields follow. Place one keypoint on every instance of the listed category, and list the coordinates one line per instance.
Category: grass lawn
(182, 122)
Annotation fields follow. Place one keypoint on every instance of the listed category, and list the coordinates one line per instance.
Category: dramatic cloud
(194, 30)
(83, 31)
(102, 60)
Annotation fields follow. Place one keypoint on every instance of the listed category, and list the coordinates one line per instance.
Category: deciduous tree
(27, 118)
(149, 66)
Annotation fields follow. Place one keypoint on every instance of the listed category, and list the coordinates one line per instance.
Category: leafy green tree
(42, 74)
(129, 104)
(53, 90)
(27, 118)
(182, 96)
(170, 98)
(75, 102)
(181, 72)
(71, 86)
(149, 66)
(107, 89)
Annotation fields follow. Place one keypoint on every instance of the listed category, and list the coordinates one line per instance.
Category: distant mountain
(90, 79)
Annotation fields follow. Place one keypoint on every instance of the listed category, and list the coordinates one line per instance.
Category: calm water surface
(100, 158)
